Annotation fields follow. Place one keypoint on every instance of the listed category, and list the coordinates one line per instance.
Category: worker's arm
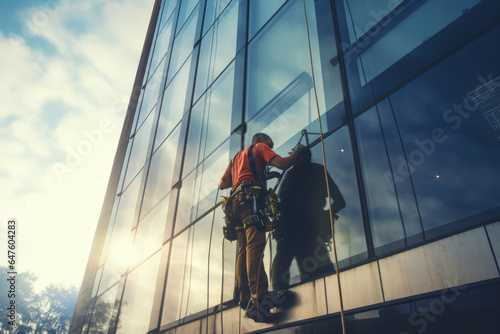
(284, 163)
(226, 180)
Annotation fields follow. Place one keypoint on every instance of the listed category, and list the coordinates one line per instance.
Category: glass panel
(102, 312)
(97, 279)
(174, 104)
(212, 11)
(175, 279)
(161, 47)
(385, 218)
(139, 151)
(183, 45)
(150, 231)
(161, 172)
(451, 137)
(152, 93)
(120, 246)
(218, 48)
(109, 231)
(199, 189)
(187, 7)
(194, 295)
(260, 12)
(138, 298)
(219, 278)
(279, 88)
(168, 9)
(210, 121)
(410, 33)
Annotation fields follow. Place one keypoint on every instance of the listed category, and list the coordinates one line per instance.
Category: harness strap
(251, 161)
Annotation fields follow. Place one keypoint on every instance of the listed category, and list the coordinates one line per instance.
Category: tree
(47, 312)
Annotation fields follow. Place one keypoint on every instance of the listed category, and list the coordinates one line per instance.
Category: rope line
(325, 170)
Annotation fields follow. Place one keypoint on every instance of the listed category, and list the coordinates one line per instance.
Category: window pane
(218, 48)
(260, 12)
(161, 47)
(212, 11)
(175, 279)
(210, 120)
(173, 105)
(451, 138)
(385, 220)
(151, 93)
(199, 189)
(139, 151)
(150, 231)
(103, 310)
(280, 95)
(138, 298)
(183, 45)
(187, 7)
(161, 172)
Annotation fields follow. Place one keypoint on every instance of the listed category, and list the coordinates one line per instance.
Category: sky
(66, 75)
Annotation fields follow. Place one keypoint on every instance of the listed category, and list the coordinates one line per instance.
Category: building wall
(408, 94)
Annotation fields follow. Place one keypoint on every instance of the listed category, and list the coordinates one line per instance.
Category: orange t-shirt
(241, 170)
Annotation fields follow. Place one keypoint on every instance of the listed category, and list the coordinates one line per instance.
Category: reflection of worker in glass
(303, 230)
(247, 179)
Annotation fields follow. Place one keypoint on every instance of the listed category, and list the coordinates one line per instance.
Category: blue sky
(67, 69)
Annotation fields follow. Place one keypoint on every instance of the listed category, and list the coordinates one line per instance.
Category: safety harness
(263, 203)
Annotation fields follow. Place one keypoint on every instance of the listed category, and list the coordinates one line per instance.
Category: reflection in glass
(452, 153)
(175, 279)
(183, 45)
(349, 230)
(385, 218)
(161, 172)
(150, 231)
(139, 151)
(218, 48)
(212, 12)
(151, 93)
(109, 231)
(161, 48)
(199, 189)
(280, 95)
(103, 310)
(138, 297)
(260, 12)
(210, 122)
(187, 7)
(173, 105)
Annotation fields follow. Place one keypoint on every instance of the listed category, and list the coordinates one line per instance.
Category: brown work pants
(250, 273)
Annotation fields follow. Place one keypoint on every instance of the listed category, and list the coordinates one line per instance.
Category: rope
(326, 173)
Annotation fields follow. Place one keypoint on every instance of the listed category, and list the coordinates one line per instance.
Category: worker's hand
(299, 148)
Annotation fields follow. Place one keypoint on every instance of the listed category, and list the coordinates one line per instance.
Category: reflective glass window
(212, 11)
(137, 298)
(210, 121)
(161, 47)
(161, 172)
(151, 93)
(150, 231)
(183, 45)
(166, 14)
(280, 94)
(194, 293)
(173, 105)
(260, 12)
(175, 279)
(103, 310)
(199, 189)
(218, 48)
(381, 197)
(97, 279)
(451, 138)
(222, 265)
(139, 150)
(186, 9)
(109, 231)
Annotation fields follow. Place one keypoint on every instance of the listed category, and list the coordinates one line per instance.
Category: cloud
(63, 75)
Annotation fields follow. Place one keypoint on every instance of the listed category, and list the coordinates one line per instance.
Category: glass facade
(408, 96)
